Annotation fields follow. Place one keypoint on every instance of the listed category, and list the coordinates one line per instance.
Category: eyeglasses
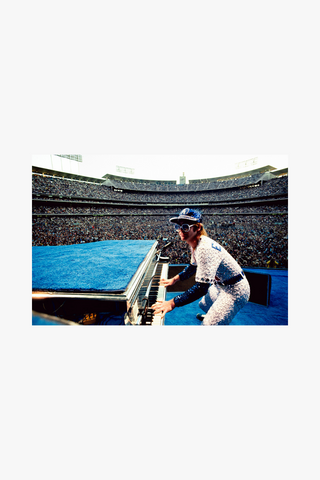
(185, 227)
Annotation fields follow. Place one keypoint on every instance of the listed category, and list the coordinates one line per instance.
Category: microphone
(159, 252)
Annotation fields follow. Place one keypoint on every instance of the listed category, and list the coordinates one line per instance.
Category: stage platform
(252, 314)
(92, 283)
(106, 266)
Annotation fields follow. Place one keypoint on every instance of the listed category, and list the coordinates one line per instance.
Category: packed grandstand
(248, 214)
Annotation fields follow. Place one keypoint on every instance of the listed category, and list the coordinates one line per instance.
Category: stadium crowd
(209, 184)
(43, 186)
(253, 235)
(111, 210)
(252, 242)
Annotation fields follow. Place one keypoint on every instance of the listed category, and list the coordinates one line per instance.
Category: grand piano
(101, 283)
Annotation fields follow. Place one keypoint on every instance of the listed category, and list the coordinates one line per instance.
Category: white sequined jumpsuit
(221, 302)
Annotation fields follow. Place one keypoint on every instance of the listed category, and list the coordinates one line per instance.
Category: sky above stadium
(160, 167)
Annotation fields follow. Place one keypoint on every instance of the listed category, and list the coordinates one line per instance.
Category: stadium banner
(247, 163)
(76, 158)
(125, 170)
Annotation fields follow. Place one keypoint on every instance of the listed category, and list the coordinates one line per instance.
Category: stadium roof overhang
(247, 173)
(282, 171)
(137, 180)
(72, 176)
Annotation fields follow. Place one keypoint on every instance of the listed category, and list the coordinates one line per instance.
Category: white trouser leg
(210, 297)
(228, 303)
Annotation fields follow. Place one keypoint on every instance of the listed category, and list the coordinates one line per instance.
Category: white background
(160, 78)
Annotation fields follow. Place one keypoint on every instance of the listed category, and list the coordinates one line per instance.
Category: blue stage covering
(251, 314)
(106, 266)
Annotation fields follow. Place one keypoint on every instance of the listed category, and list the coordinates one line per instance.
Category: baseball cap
(188, 214)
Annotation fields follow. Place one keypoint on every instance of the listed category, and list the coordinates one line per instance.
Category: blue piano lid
(92, 267)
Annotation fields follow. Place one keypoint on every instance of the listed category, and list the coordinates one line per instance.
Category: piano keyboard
(155, 294)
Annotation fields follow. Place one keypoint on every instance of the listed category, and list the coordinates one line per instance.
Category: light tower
(182, 180)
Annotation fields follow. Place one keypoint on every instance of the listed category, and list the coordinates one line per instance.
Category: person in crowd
(220, 280)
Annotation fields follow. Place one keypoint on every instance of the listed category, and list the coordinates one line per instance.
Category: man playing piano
(220, 280)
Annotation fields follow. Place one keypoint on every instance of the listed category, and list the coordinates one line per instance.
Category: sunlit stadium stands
(246, 214)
